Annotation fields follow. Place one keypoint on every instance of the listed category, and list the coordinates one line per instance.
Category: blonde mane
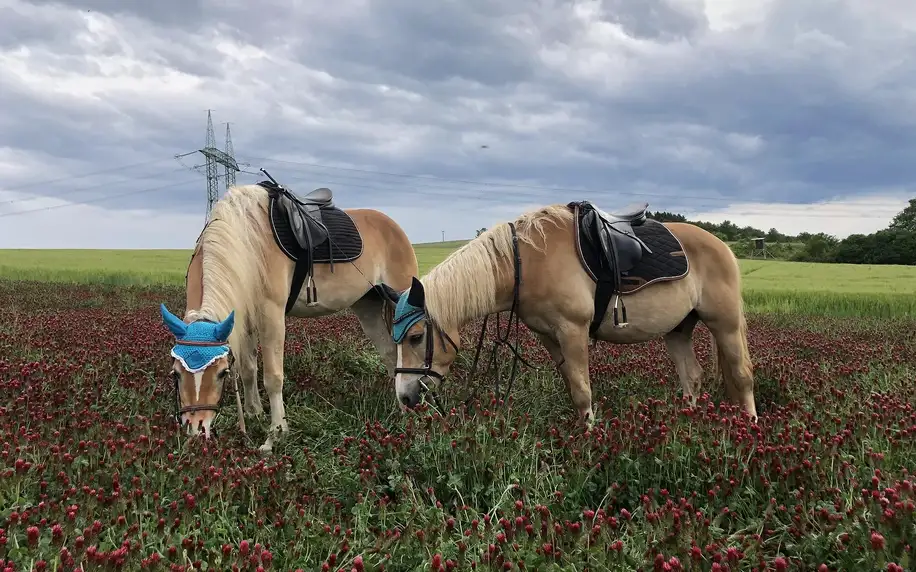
(234, 246)
(464, 285)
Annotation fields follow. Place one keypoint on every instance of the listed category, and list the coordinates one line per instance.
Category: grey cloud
(176, 13)
(656, 19)
(768, 114)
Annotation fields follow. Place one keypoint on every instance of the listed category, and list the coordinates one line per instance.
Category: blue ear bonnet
(196, 358)
(405, 316)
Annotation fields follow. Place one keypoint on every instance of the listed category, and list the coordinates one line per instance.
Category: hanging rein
(501, 340)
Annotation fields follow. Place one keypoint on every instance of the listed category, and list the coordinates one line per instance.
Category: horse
(247, 273)
(557, 267)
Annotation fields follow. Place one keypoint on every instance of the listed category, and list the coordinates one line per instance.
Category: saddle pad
(344, 244)
(667, 262)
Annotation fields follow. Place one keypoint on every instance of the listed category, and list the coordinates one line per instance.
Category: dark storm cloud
(810, 103)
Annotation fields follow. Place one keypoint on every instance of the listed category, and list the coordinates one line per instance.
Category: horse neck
(459, 298)
(205, 297)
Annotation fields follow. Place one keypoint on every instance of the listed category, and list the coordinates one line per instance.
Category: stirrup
(311, 293)
(617, 323)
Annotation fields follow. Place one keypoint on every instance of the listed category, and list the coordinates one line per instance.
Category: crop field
(96, 475)
(769, 286)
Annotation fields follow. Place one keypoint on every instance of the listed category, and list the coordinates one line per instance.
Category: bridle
(179, 410)
(427, 371)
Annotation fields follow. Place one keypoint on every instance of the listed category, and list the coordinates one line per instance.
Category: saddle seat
(322, 197)
(634, 215)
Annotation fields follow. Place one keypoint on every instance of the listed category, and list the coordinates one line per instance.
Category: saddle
(303, 215)
(617, 249)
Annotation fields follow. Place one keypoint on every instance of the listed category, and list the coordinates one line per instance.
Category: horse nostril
(405, 400)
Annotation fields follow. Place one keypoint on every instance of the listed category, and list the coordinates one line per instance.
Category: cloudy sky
(452, 115)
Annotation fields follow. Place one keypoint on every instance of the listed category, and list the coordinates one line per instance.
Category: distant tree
(905, 219)
(729, 229)
(665, 216)
(818, 248)
(888, 246)
(481, 231)
(775, 236)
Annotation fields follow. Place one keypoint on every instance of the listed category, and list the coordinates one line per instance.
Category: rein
(501, 340)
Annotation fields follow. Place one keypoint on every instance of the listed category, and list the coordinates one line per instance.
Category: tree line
(894, 244)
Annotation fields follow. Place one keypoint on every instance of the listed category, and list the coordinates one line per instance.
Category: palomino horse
(558, 267)
(259, 240)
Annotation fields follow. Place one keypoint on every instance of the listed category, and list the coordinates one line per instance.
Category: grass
(769, 286)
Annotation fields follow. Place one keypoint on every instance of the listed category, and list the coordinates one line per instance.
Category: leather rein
(427, 371)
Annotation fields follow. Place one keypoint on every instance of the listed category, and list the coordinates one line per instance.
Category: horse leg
(273, 336)
(680, 348)
(368, 310)
(248, 371)
(570, 351)
(734, 360)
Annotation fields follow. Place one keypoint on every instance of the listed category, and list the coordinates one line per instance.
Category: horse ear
(417, 296)
(224, 328)
(388, 293)
(173, 322)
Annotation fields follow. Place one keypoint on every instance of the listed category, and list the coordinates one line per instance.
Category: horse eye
(415, 338)
(225, 373)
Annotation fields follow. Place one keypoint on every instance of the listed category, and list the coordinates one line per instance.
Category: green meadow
(769, 286)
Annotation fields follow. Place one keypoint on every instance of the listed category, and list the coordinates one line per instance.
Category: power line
(82, 189)
(418, 190)
(307, 165)
(83, 176)
(489, 197)
(97, 199)
(415, 191)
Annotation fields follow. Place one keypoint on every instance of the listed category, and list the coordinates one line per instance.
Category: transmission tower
(216, 157)
(230, 173)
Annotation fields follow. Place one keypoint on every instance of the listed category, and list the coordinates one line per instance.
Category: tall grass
(835, 304)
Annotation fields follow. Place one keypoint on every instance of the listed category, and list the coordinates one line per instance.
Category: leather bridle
(179, 410)
(427, 371)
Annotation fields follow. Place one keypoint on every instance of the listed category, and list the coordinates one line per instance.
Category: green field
(154, 267)
(771, 286)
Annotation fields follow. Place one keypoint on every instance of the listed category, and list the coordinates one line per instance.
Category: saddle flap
(305, 223)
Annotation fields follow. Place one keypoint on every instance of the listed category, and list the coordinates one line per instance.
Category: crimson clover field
(95, 475)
